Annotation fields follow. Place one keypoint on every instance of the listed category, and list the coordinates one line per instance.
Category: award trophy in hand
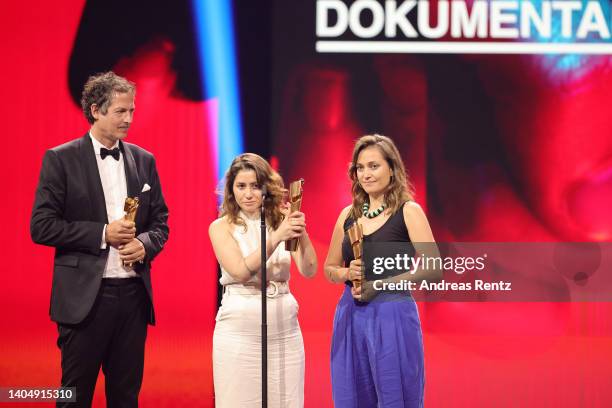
(295, 199)
(355, 233)
(130, 207)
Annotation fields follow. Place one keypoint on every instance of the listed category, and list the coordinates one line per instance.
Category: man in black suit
(101, 295)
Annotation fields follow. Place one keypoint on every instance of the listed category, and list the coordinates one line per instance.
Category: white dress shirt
(112, 175)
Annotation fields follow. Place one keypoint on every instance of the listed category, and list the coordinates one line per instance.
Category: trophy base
(292, 245)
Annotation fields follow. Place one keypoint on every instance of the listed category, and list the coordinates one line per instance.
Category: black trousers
(113, 337)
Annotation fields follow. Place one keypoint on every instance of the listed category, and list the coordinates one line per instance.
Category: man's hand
(120, 232)
(132, 252)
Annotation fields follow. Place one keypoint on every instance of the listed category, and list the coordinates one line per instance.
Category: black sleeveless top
(393, 230)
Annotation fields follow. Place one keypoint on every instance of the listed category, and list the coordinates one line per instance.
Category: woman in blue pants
(377, 346)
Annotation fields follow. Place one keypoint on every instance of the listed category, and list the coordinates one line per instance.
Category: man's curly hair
(100, 89)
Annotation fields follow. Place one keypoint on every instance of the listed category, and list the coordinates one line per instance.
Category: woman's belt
(273, 289)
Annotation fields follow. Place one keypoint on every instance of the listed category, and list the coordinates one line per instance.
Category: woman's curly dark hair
(265, 175)
(99, 90)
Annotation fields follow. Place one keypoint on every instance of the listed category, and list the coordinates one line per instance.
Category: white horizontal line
(435, 47)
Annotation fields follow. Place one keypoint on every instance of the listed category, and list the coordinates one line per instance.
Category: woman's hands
(355, 272)
(364, 290)
(293, 226)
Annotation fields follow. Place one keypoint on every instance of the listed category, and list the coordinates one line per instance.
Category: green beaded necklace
(372, 214)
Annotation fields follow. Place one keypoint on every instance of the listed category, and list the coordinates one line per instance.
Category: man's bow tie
(106, 152)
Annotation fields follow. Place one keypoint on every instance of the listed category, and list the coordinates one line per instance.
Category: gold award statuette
(295, 199)
(130, 207)
(355, 234)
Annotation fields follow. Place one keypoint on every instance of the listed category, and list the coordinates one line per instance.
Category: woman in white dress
(235, 238)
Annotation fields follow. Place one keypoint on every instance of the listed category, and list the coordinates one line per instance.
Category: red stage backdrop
(501, 148)
(37, 39)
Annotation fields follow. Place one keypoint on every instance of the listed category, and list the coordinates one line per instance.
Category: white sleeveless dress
(237, 337)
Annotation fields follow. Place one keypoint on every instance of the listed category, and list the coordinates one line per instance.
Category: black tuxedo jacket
(70, 213)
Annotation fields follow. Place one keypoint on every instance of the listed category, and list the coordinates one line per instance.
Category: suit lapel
(131, 172)
(92, 176)
(131, 177)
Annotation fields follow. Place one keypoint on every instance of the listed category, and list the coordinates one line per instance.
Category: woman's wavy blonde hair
(266, 176)
(399, 189)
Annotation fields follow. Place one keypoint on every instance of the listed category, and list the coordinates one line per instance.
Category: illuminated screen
(500, 113)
